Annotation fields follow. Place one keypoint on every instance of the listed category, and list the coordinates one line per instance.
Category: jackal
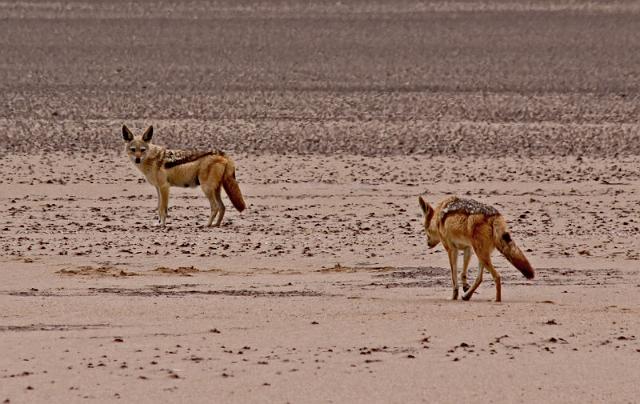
(164, 168)
(463, 224)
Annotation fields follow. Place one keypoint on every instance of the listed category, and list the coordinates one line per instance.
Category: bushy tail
(231, 186)
(509, 249)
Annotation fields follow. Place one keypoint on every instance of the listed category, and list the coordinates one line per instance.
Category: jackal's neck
(156, 150)
(153, 160)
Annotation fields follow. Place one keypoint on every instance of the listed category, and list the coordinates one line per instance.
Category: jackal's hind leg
(217, 207)
(214, 211)
(221, 208)
(496, 280)
(465, 266)
(209, 193)
(453, 262)
(475, 285)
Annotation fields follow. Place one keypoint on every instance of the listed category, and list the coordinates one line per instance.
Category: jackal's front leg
(163, 204)
(453, 262)
(158, 206)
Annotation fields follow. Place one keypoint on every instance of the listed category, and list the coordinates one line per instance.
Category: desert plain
(338, 116)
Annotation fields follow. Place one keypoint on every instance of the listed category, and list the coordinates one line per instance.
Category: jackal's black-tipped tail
(231, 186)
(509, 249)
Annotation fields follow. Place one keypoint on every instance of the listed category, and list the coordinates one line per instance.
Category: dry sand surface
(338, 115)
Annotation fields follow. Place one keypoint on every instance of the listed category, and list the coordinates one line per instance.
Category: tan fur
(231, 186)
(471, 226)
(165, 168)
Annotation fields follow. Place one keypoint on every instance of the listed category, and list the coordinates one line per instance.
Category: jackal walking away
(463, 224)
(164, 168)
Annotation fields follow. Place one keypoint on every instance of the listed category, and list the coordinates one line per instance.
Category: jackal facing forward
(463, 224)
(164, 168)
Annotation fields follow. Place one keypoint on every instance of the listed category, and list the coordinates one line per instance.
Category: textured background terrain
(338, 114)
(368, 77)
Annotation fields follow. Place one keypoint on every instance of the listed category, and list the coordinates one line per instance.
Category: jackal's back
(173, 158)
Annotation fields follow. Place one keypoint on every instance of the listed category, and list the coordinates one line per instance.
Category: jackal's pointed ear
(126, 134)
(426, 209)
(148, 134)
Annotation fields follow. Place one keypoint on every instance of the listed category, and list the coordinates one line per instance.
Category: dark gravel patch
(367, 78)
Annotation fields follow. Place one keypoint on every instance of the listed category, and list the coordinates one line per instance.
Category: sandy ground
(338, 116)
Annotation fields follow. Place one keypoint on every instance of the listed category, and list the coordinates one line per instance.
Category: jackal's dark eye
(142, 149)
(132, 149)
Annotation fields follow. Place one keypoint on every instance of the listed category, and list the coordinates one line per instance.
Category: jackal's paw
(467, 296)
(465, 288)
(455, 294)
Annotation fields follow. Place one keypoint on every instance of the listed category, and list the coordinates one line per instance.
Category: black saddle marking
(176, 158)
(468, 206)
